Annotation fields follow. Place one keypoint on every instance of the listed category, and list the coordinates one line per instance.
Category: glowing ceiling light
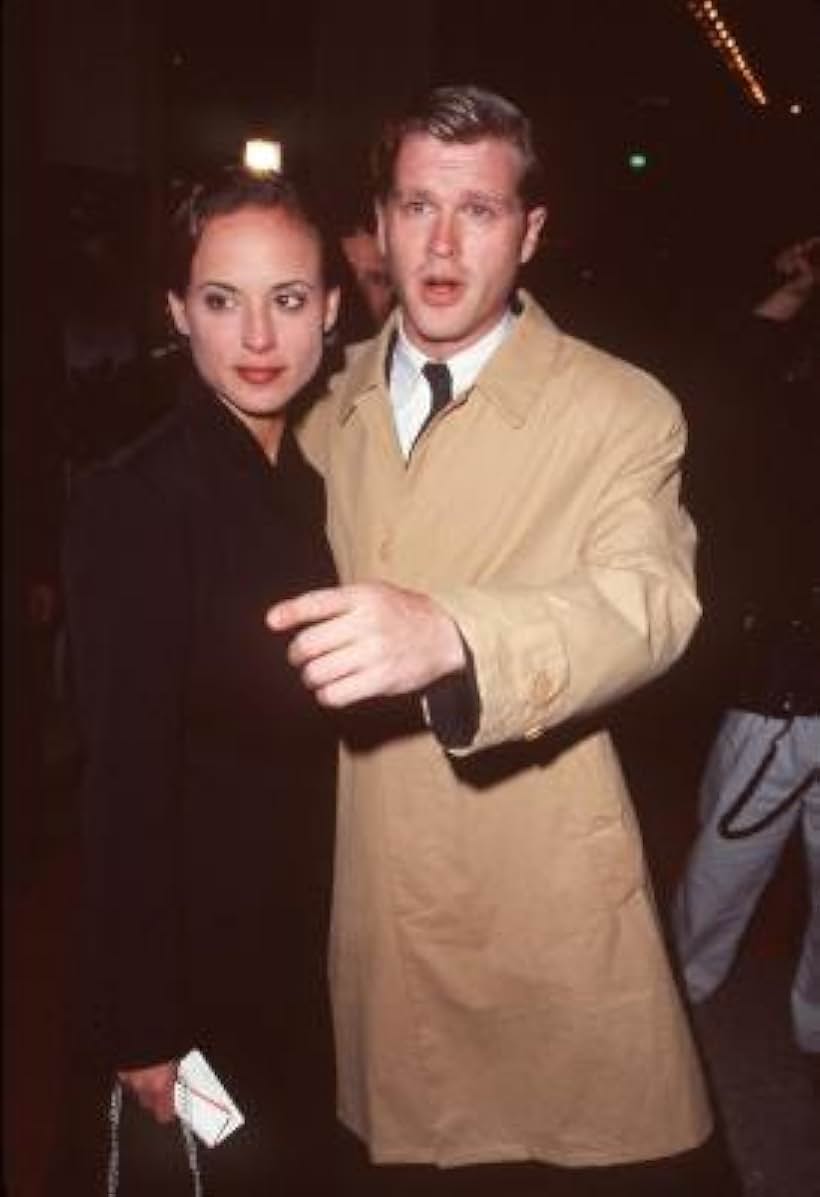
(262, 157)
(720, 36)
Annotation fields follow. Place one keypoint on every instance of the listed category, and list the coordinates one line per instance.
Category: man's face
(455, 232)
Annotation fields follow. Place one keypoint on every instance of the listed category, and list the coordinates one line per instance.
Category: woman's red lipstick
(259, 375)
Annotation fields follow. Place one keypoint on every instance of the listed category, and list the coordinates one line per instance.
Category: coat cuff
(519, 668)
(452, 705)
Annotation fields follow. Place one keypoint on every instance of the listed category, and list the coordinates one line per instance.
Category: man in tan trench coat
(511, 563)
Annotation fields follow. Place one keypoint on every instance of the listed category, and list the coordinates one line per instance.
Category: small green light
(638, 161)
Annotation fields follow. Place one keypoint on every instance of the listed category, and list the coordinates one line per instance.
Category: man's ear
(331, 315)
(177, 309)
(536, 218)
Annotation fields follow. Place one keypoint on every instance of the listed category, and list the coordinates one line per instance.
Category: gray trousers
(724, 878)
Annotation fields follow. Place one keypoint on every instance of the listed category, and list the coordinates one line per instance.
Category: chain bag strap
(188, 1140)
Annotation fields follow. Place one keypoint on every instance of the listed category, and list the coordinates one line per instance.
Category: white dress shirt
(410, 394)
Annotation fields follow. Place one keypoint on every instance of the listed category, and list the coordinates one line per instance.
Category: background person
(361, 249)
(368, 289)
(208, 789)
(762, 777)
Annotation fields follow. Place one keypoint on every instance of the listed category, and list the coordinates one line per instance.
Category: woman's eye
(218, 301)
(291, 301)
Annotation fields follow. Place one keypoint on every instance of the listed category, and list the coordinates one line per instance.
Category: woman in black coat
(208, 793)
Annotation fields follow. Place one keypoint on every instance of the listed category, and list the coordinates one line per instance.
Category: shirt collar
(465, 366)
(513, 379)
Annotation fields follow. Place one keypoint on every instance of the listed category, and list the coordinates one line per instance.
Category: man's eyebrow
(489, 197)
(495, 198)
(412, 192)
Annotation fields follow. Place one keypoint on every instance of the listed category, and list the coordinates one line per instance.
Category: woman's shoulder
(144, 488)
(156, 461)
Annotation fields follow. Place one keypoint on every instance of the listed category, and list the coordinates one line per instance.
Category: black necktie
(441, 389)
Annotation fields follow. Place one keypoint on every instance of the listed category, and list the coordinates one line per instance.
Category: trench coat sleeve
(620, 617)
(126, 596)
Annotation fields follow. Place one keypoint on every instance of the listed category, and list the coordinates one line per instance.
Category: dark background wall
(123, 96)
(116, 98)
(109, 102)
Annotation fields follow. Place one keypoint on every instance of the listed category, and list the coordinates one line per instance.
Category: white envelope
(201, 1100)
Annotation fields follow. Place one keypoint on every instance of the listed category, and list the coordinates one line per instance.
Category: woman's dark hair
(230, 190)
(460, 115)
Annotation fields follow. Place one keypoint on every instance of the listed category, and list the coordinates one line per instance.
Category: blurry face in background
(455, 232)
(367, 262)
(255, 311)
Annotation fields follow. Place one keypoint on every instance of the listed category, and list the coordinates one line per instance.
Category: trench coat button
(532, 733)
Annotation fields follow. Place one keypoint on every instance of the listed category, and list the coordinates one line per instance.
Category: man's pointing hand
(367, 641)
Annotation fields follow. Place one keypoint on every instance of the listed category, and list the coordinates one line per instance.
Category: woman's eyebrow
(294, 282)
(234, 290)
(215, 282)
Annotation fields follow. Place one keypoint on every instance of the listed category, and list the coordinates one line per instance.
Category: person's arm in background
(799, 265)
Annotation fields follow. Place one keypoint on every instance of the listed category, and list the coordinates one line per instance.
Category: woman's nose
(258, 329)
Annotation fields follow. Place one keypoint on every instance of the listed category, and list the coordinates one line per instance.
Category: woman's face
(255, 310)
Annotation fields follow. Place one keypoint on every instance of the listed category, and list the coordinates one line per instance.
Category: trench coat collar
(513, 379)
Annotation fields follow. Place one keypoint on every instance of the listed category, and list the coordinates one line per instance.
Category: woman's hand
(153, 1088)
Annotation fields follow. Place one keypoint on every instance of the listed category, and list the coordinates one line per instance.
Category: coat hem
(515, 1153)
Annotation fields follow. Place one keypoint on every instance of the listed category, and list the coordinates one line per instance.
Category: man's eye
(480, 211)
(291, 301)
(416, 207)
(218, 301)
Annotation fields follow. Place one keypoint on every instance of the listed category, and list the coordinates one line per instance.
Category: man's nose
(444, 236)
(258, 328)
